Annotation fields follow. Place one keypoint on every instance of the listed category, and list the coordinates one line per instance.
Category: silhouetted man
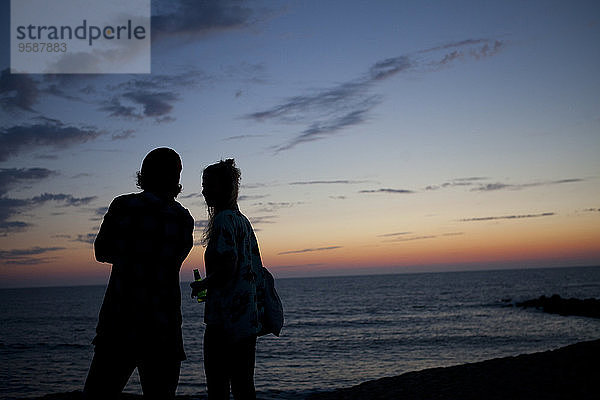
(145, 236)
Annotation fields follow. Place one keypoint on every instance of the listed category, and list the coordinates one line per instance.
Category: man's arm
(105, 242)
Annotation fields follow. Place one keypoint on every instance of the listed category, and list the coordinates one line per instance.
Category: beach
(569, 372)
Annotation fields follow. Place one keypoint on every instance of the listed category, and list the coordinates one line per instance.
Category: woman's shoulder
(232, 218)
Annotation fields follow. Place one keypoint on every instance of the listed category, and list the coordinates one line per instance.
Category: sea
(338, 332)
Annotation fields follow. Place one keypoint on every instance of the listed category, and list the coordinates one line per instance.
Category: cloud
(410, 239)
(12, 177)
(18, 91)
(61, 236)
(494, 218)
(494, 186)
(387, 190)
(54, 134)
(10, 207)
(99, 213)
(387, 68)
(265, 219)
(7, 227)
(24, 256)
(310, 250)
(86, 238)
(341, 97)
(328, 111)
(190, 195)
(271, 206)
(116, 109)
(239, 137)
(247, 197)
(333, 182)
(469, 181)
(402, 236)
(153, 104)
(500, 186)
(192, 18)
(201, 224)
(150, 97)
(394, 234)
(67, 199)
(126, 134)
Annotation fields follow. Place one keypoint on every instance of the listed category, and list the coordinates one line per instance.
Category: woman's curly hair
(229, 177)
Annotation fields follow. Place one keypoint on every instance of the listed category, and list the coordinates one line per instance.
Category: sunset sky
(373, 136)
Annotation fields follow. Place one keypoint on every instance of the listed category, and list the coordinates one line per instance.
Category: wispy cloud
(67, 199)
(321, 129)
(488, 187)
(469, 181)
(10, 207)
(149, 97)
(201, 223)
(54, 134)
(405, 236)
(272, 206)
(326, 182)
(476, 184)
(412, 238)
(86, 238)
(99, 213)
(329, 111)
(518, 216)
(152, 104)
(25, 256)
(15, 177)
(248, 197)
(264, 219)
(387, 190)
(238, 137)
(124, 134)
(310, 250)
(394, 234)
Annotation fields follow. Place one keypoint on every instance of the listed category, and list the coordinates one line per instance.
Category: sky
(373, 137)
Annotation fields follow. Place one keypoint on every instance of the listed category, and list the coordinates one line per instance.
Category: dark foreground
(571, 372)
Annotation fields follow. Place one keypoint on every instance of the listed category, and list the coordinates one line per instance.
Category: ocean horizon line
(342, 275)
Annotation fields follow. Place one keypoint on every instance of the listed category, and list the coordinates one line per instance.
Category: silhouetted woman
(145, 236)
(235, 291)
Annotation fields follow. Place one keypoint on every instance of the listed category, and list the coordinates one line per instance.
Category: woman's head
(160, 172)
(220, 185)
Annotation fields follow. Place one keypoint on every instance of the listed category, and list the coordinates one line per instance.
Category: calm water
(339, 331)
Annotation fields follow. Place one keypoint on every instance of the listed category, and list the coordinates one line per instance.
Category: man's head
(160, 172)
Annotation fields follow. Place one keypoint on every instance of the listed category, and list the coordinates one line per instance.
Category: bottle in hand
(201, 294)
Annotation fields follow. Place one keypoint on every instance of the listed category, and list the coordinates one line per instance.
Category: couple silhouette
(146, 237)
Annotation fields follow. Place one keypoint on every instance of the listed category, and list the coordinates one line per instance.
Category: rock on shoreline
(558, 305)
